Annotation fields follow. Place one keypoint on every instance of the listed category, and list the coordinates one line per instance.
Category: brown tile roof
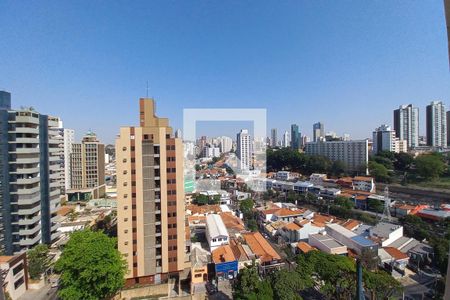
(261, 247)
(363, 178)
(351, 224)
(292, 226)
(284, 212)
(395, 253)
(238, 251)
(270, 211)
(305, 247)
(5, 259)
(223, 254)
(64, 210)
(231, 221)
(203, 209)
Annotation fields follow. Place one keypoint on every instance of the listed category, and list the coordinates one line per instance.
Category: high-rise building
(448, 128)
(354, 154)
(243, 149)
(30, 179)
(406, 124)
(87, 164)
(286, 139)
(69, 139)
(318, 132)
(225, 144)
(273, 137)
(436, 124)
(150, 194)
(178, 134)
(295, 137)
(384, 139)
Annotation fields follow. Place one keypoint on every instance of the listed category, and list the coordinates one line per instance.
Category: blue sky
(345, 63)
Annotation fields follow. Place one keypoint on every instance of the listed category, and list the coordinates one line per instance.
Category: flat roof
(384, 229)
(327, 240)
(363, 241)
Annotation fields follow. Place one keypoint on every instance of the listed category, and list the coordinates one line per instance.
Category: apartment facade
(87, 169)
(318, 131)
(273, 137)
(436, 124)
(406, 124)
(243, 149)
(295, 137)
(30, 179)
(384, 139)
(69, 140)
(354, 154)
(150, 193)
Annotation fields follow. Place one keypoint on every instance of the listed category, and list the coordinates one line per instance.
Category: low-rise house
(299, 230)
(243, 254)
(268, 257)
(385, 233)
(363, 183)
(287, 215)
(272, 228)
(351, 224)
(14, 270)
(283, 175)
(225, 264)
(317, 178)
(393, 260)
(199, 265)
(216, 232)
(433, 214)
(327, 244)
(303, 247)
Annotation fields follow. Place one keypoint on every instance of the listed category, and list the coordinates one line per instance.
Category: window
(18, 283)
(124, 148)
(17, 269)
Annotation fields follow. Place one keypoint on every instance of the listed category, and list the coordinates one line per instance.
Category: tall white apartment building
(436, 124)
(30, 177)
(286, 140)
(406, 124)
(354, 154)
(243, 149)
(225, 144)
(69, 139)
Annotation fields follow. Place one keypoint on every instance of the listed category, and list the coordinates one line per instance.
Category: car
(211, 288)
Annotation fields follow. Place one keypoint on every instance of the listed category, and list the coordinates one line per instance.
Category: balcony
(32, 170)
(28, 180)
(26, 160)
(27, 242)
(25, 150)
(30, 231)
(29, 221)
(31, 130)
(26, 119)
(29, 199)
(27, 191)
(29, 211)
(26, 140)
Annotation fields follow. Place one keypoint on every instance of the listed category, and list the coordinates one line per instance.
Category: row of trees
(288, 159)
(201, 199)
(246, 207)
(386, 165)
(334, 275)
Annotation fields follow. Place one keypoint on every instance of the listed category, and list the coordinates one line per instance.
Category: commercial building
(87, 164)
(386, 233)
(244, 149)
(436, 124)
(350, 239)
(150, 194)
(273, 137)
(327, 244)
(30, 178)
(225, 263)
(295, 137)
(318, 132)
(406, 124)
(354, 154)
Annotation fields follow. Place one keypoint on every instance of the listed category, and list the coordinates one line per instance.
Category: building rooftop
(223, 254)
(232, 222)
(305, 247)
(341, 230)
(327, 240)
(261, 247)
(292, 226)
(384, 229)
(215, 225)
(363, 241)
(395, 253)
(284, 212)
(351, 224)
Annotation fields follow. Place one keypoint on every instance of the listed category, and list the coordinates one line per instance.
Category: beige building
(14, 275)
(150, 195)
(87, 165)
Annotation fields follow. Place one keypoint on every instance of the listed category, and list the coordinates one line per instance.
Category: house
(283, 175)
(14, 270)
(287, 215)
(401, 210)
(233, 224)
(269, 258)
(351, 224)
(363, 183)
(199, 265)
(327, 244)
(243, 254)
(216, 232)
(393, 259)
(299, 230)
(303, 247)
(386, 233)
(317, 179)
(225, 264)
(433, 214)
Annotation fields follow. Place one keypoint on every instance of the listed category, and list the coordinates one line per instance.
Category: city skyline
(229, 70)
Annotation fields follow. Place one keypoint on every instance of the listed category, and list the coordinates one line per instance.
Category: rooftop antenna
(387, 205)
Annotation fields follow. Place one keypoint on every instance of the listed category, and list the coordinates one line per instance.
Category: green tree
(430, 166)
(403, 161)
(379, 171)
(381, 284)
(38, 261)
(375, 205)
(337, 168)
(249, 286)
(344, 202)
(201, 199)
(91, 267)
(246, 207)
(286, 285)
(215, 199)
